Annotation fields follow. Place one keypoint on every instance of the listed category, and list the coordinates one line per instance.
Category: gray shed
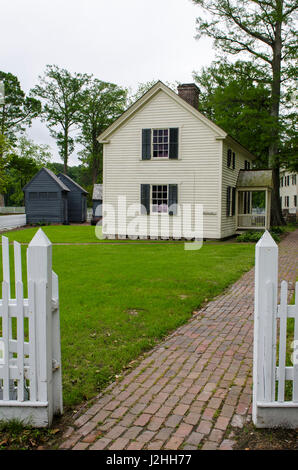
(96, 204)
(77, 199)
(46, 198)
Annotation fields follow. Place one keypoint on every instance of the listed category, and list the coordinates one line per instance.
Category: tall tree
(17, 110)
(265, 30)
(237, 98)
(102, 104)
(61, 93)
(16, 113)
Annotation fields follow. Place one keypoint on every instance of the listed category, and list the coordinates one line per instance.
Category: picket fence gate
(30, 351)
(271, 406)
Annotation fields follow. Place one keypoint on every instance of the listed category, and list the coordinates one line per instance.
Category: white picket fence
(8, 222)
(271, 407)
(30, 355)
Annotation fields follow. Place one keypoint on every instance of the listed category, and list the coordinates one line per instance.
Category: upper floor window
(293, 179)
(160, 143)
(246, 165)
(231, 159)
(282, 181)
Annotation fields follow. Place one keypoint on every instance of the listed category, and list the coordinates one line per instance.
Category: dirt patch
(250, 438)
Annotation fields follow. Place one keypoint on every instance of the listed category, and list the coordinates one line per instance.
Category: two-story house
(288, 190)
(162, 153)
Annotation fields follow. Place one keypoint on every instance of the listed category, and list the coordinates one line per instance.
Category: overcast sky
(122, 41)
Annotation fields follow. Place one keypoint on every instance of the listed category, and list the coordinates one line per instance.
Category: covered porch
(253, 199)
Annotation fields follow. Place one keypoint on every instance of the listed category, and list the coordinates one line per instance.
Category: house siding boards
(196, 171)
(229, 178)
(47, 210)
(77, 203)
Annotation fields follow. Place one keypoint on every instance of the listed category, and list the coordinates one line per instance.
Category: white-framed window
(160, 143)
(293, 179)
(159, 198)
(295, 201)
(287, 200)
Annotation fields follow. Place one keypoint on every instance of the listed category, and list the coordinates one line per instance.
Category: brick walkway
(191, 390)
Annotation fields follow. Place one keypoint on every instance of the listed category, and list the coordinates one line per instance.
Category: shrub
(252, 236)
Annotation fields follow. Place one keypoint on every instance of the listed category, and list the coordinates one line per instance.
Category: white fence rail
(30, 356)
(275, 382)
(12, 210)
(12, 221)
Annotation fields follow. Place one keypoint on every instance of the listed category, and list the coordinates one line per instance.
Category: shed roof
(97, 192)
(72, 181)
(52, 175)
(255, 179)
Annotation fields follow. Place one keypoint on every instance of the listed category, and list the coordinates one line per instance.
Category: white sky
(122, 41)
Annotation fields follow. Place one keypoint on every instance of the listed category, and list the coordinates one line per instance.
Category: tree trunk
(65, 159)
(276, 214)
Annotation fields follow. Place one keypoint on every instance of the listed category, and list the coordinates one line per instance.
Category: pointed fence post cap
(40, 239)
(266, 241)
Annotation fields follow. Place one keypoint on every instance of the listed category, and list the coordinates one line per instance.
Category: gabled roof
(97, 192)
(52, 175)
(145, 98)
(160, 86)
(72, 181)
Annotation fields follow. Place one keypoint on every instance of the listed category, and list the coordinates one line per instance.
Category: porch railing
(251, 221)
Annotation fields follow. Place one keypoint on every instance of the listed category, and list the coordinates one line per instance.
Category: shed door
(65, 210)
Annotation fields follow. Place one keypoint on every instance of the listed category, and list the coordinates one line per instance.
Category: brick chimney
(190, 93)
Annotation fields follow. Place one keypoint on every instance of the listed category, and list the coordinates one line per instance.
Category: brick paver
(191, 390)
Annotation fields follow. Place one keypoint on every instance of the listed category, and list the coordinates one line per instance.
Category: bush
(252, 236)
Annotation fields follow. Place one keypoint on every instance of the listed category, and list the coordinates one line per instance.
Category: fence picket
(32, 341)
(5, 262)
(295, 353)
(20, 339)
(282, 341)
(17, 262)
(6, 336)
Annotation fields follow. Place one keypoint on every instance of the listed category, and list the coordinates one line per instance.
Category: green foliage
(254, 236)
(25, 161)
(103, 103)
(18, 109)
(237, 98)
(61, 93)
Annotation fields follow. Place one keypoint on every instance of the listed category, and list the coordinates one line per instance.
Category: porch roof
(254, 179)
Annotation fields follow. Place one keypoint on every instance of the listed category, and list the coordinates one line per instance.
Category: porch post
(268, 209)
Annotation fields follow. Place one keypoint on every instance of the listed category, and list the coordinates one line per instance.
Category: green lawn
(117, 301)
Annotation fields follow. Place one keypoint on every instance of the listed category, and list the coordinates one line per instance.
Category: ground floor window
(159, 198)
(287, 201)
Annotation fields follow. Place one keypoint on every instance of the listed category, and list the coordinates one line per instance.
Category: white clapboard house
(162, 153)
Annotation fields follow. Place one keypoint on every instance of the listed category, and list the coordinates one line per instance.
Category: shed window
(33, 196)
(52, 195)
(43, 195)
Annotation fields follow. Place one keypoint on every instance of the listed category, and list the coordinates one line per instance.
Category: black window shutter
(234, 160)
(228, 200)
(233, 200)
(145, 199)
(174, 143)
(146, 144)
(229, 158)
(173, 199)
